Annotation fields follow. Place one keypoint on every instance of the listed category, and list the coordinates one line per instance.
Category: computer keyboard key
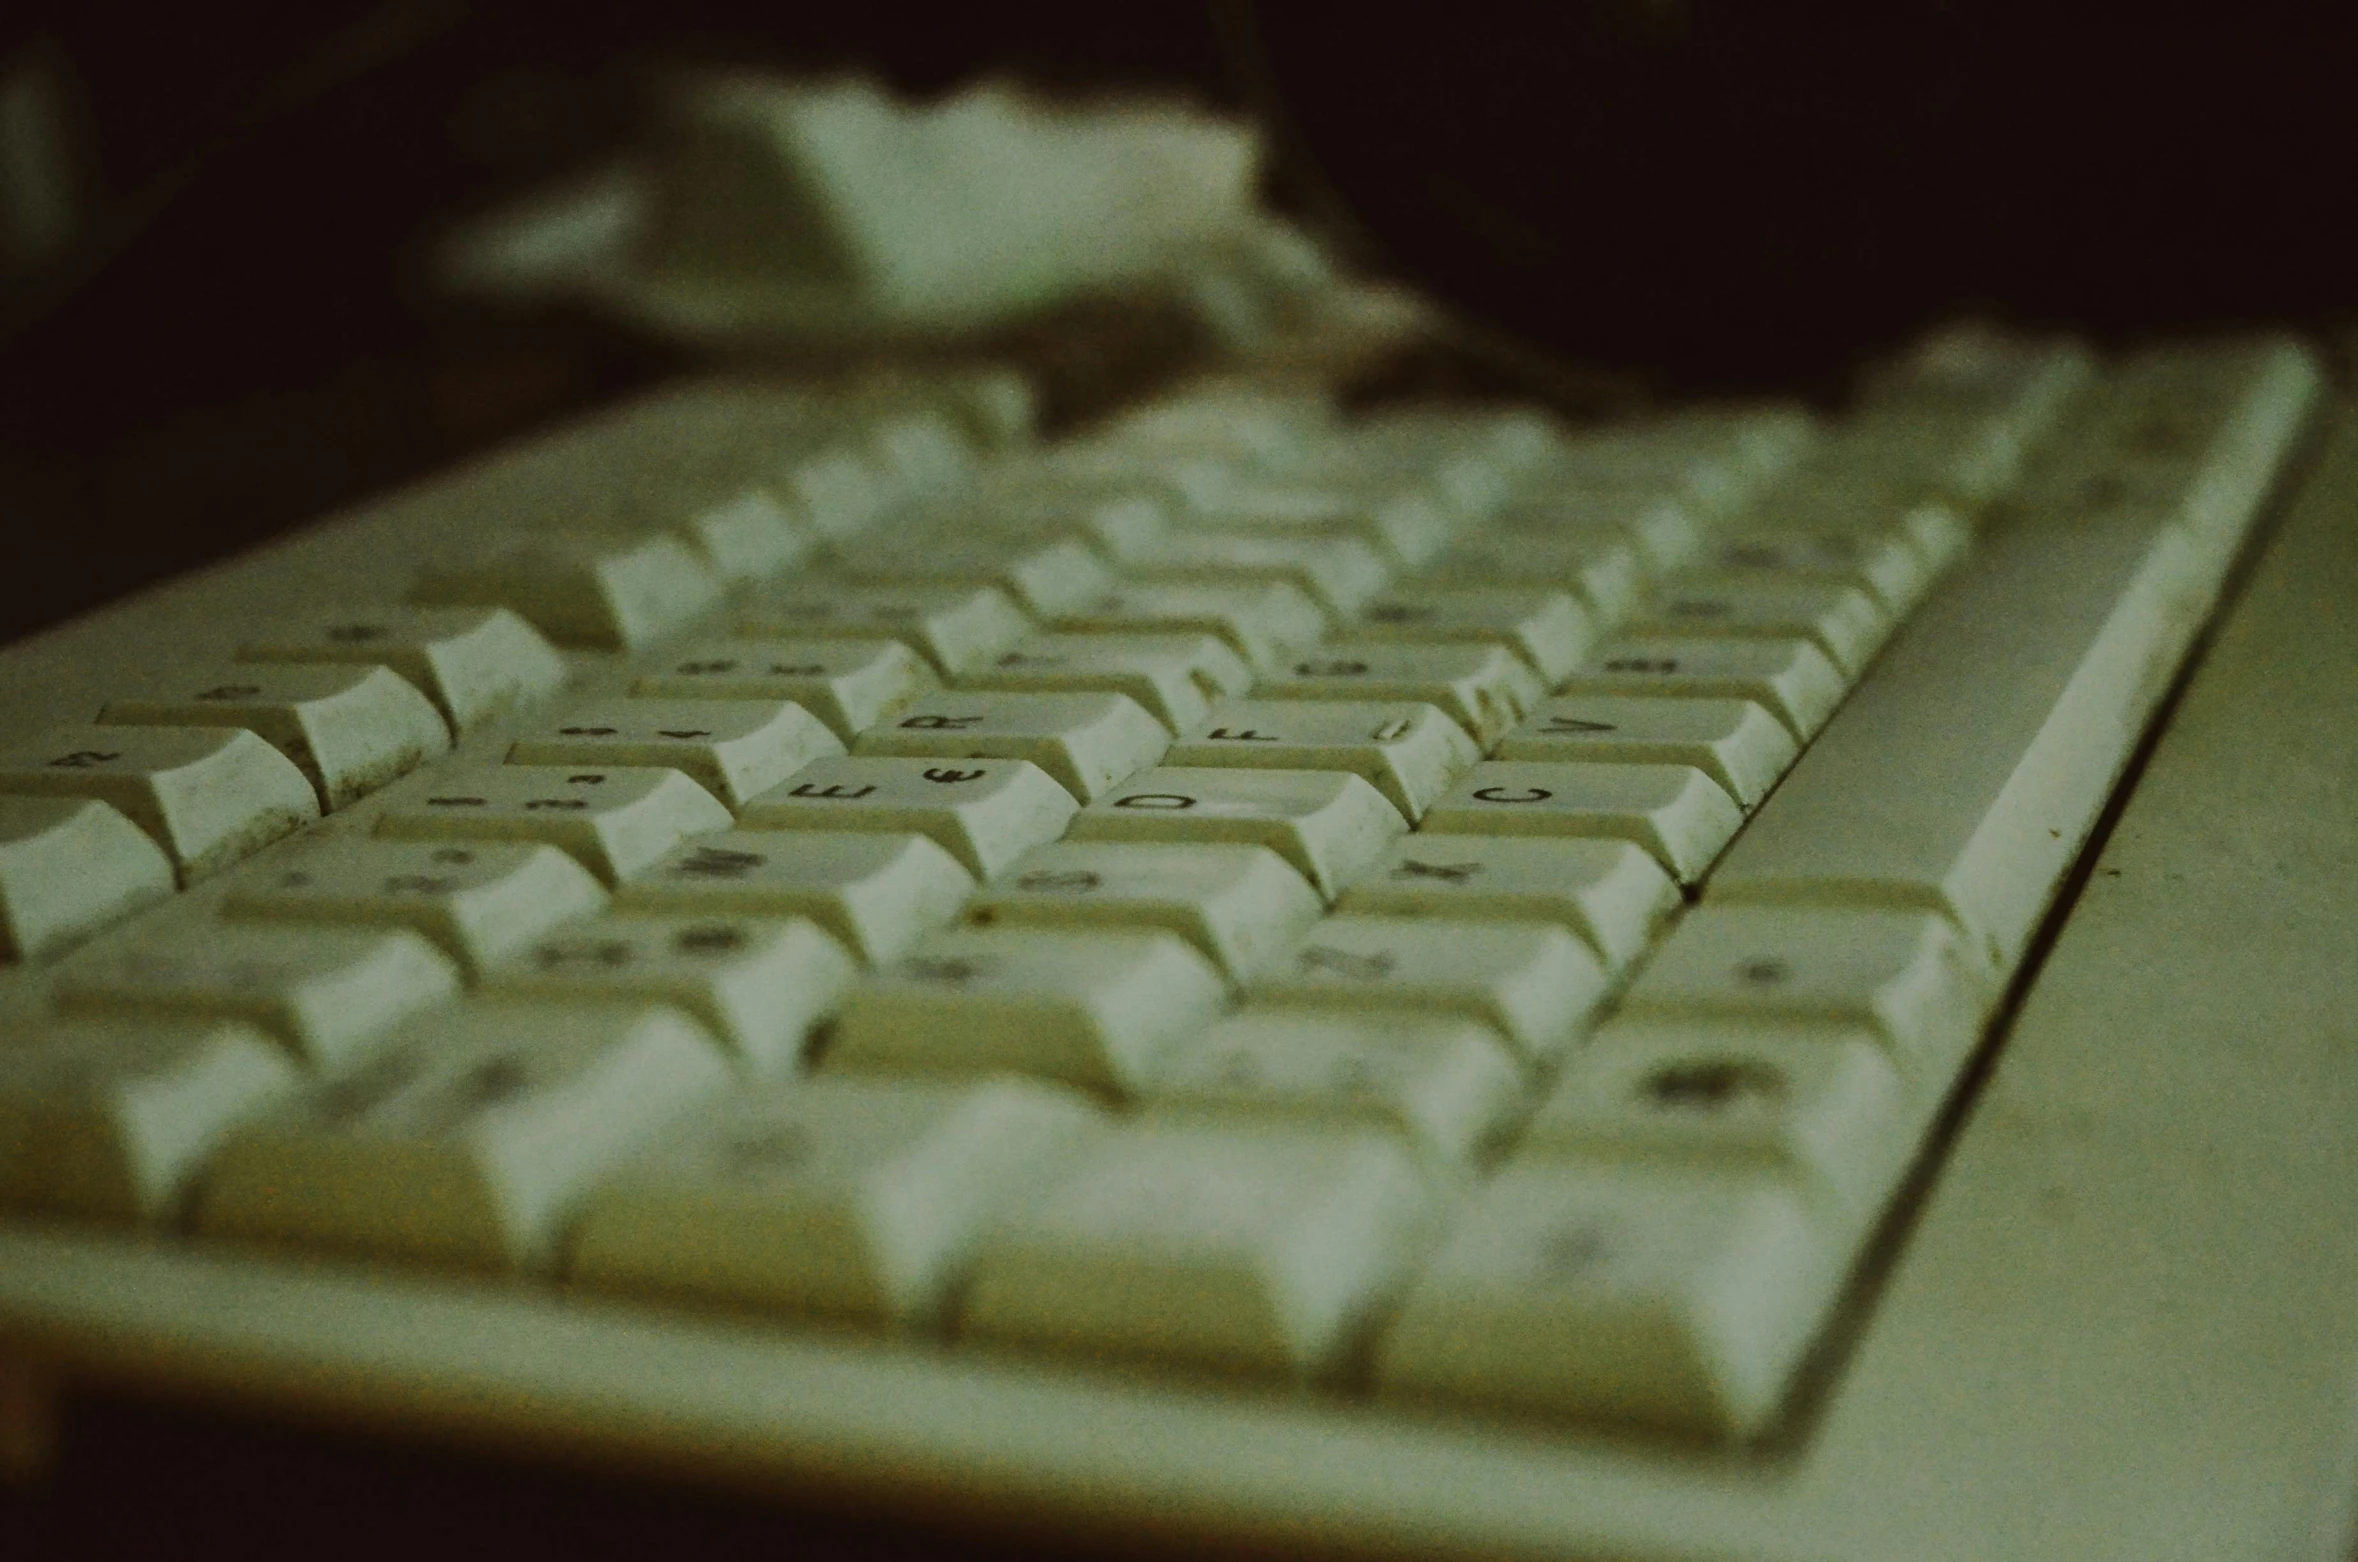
(475, 663)
(1329, 824)
(984, 813)
(1087, 741)
(1674, 1299)
(1484, 688)
(1339, 573)
(1905, 975)
(68, 867)
(1603, 567)
(1735, 742)
(1547, 628)
(1885, 563)
(1675, 812)
(471, 1139)
(1662, 522)
(1613, 894)
(1448, 1086)
(954, 628)
(1241, 905)
(349, 729)
(1792, 679)
(1176, 677)
(1820, 1106)
(1045, 577)
(1235, 1248)
(733, 748)
(1407, 750)
(1841, 619)
(750, 536)
(207, 795)
(850, 684)
(1965, 774)
(329, 994)
(858, 1199)
(1260, 622)
(1531, 981)
(610, 591)
(477, 901)
(1406, 525)
(757, 984)
(109, 1119)
(1096, 1010)
(876, 893)
(615, 818)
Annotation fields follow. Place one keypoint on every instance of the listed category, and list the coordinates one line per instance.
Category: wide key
(475, 663)
(478, 900)
(860, 1199)
(616, 819)
(877, 893)
(207, 795)
(470, 1141)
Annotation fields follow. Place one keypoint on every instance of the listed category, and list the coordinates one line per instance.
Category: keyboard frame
(2121, 1322)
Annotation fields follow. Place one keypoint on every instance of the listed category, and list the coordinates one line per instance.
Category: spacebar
(1966, 771)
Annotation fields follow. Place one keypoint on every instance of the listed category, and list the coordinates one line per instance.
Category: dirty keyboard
(1435, 910)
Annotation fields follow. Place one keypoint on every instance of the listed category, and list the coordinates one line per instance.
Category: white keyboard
(1245, 974)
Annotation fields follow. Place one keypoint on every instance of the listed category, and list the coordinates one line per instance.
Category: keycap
(749, 535)
(1675, 1299)
(68, 867)
(1448, 1086)
(1176, 677)
(1547, 628)
(1095, 1010)
(1791, 679)
(849, 684)
(1676, 812)
(1259, 622)
(611, 591)
(1735, 742)
(110, 1118)
(1905, 975)
(1088, 741)
(985, 814)
(1818, 1106)
(1612, 894)
(1984, 746)
(1044, 577)
(477, 901)
(876, 893)
(1884, 562)
(1407, 750)
(1329, 824)
(1035, 503)
(207, 795)
(1407, 525)
(1629, 531)
(859, 1199)
(733, 748)
(1339, 573)
(471, 1139)
(615, 818)
(955, 628)
(1603, 567)
(475, 663)
(348, 729)
(1242, 906)
(1484, 688)
(329, 994)
(1841, 619)
(1531, 981)
(758, 985)
(1234, 1248)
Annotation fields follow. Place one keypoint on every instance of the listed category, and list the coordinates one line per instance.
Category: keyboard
(1422, 979)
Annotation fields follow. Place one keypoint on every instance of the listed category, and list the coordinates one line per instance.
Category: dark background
(1711, 196)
